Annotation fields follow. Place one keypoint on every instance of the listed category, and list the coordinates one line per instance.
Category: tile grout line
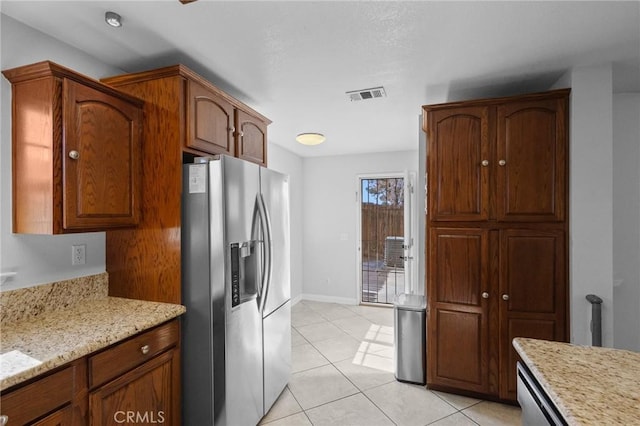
(360, 391)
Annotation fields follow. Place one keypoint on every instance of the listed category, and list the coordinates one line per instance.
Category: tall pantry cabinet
(497, 233)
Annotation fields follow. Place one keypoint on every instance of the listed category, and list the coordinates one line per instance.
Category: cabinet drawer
(39, 398)
(124, 356)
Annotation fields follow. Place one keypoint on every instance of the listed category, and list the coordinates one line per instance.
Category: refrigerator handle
(265, 222)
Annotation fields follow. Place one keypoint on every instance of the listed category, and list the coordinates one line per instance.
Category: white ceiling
(294, 60)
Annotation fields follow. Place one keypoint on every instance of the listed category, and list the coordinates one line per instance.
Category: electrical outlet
(78, 254)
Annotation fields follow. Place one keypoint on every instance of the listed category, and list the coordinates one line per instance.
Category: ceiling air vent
(359, 95)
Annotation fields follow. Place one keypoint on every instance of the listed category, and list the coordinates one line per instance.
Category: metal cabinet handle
(505, 297)
(485, 163)
(232, 129)
(502, 162)
(4, 420)
(74, 155)
(485, 295)
(144, 349)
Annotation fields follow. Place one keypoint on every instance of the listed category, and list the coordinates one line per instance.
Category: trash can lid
(412, 302)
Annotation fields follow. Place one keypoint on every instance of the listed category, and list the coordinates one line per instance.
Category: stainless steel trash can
(410, 338)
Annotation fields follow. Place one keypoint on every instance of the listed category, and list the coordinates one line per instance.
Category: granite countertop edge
(57, 338)
(531, 365)
(588, 385)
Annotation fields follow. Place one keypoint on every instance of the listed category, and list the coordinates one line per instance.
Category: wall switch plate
(78, 254)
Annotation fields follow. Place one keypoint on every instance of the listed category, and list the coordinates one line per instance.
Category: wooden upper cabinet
(76, 152)
(210, 120)
(251, 135)
(498, 159)
(531, 157)
(459, 155)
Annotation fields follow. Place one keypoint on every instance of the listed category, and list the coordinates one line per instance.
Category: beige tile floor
(342, 374)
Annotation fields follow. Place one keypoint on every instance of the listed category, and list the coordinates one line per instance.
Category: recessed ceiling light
(310, 138)
(113, 19)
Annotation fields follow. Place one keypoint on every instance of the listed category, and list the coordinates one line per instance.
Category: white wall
(330, 219)
(591, 200)
(39, 259)
(285, 161)
(626, 221)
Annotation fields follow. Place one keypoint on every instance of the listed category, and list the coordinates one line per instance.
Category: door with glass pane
(385, 244)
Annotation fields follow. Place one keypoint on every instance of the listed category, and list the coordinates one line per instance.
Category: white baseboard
(329, 299)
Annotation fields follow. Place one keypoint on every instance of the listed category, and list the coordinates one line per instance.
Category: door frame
(410, 194)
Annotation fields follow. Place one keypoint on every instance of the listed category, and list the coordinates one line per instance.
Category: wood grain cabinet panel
(185, 117)
(145, 395)
(497, 232)
(137, 381)
(458, 314)
(76, 152)
(458, 167)
(56, 398)
(251, 139)
(533, 293)
(531, 159)
(210, 120)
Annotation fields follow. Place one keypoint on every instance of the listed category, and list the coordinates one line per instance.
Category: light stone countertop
(43, 338)
(589, 385)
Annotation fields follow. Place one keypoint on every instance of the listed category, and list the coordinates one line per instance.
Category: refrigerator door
(275, 195)
(243, 333)
(277, 353)
(202, 337)
(276, 306)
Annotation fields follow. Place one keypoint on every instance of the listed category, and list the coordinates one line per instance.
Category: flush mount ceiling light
(310, 138)
(113, 19)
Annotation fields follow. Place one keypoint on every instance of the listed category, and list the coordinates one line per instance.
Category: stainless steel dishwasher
(537, 408)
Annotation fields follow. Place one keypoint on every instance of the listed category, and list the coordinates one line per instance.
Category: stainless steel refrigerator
(236, 333)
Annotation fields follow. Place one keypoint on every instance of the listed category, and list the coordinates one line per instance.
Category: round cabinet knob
(4, 420)
(485, 163)
(144, 349)
(232, 129)
(74, 155)
(485, 295)
(502, 162)
(505, 297)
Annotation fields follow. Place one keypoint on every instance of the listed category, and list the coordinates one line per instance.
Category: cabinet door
(533, 292)
(532, 160)
(101, 159)
(457, 340)
(209, 121)
(458, 160)
(252, 138)
(145, 395)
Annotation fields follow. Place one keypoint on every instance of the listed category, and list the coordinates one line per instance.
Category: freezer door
(275, 194)
(277, 353)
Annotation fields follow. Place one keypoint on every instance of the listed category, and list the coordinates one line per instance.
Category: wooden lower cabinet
(144, 395)
(486, 287)
(62, 417)
(61, 398)
(136, 381)
(532, 294)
